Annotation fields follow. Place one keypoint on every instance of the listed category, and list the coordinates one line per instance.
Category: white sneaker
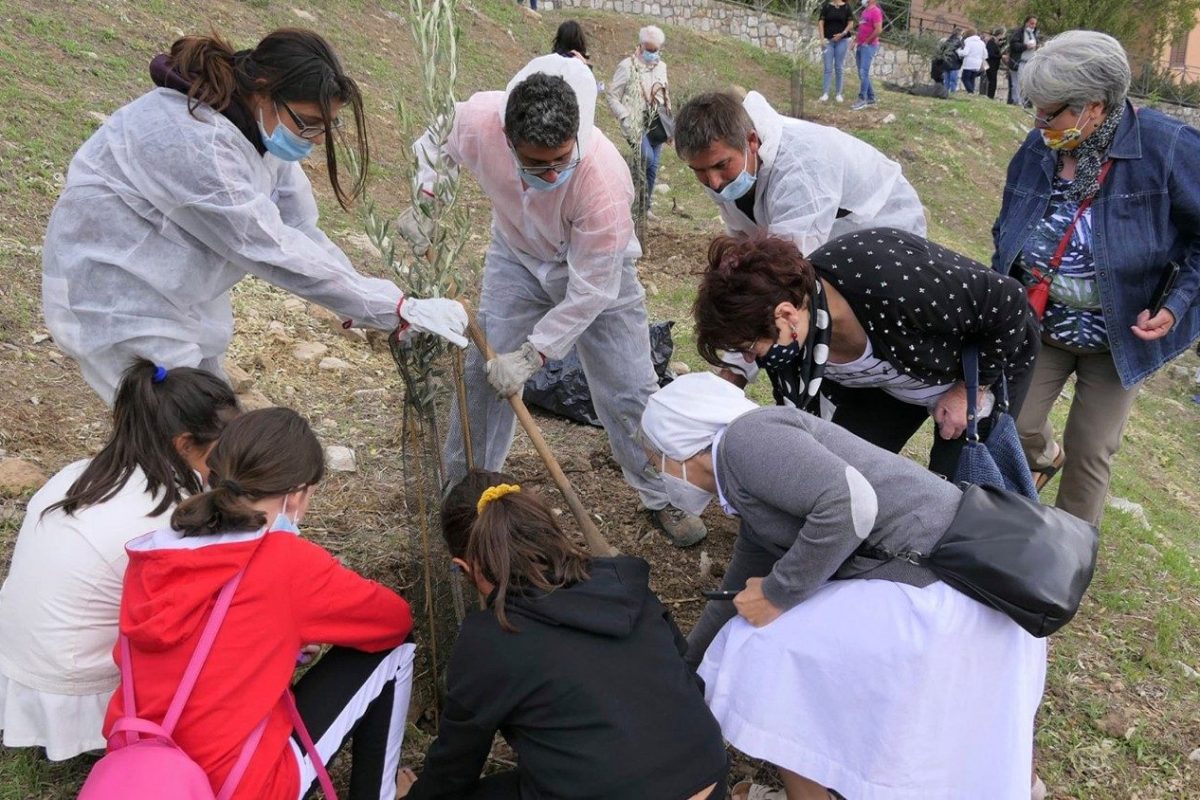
(840, 99)
(823, 98)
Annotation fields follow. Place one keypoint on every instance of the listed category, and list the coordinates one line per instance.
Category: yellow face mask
(1066, 139)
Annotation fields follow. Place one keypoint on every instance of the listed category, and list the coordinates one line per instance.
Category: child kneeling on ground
(575, 661)
(287, 594)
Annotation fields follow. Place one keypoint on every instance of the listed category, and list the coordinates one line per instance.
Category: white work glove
(436, 315)
(416, 228)
(507, 373)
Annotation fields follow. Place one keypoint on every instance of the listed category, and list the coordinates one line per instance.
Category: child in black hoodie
(575, 662)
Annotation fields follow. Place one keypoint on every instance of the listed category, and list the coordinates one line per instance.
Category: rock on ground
(309, 351)
(18, 477)
(333, 363)
(340, 459)
(1131, 508)
(239, 379)
(253, 400)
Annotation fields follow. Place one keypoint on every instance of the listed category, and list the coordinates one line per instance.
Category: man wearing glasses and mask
(560, 270)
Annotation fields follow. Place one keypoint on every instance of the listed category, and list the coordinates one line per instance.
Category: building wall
(1189, 69)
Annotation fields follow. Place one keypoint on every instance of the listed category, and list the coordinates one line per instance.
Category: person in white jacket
(194, 185)
(59, 603)
(560, 270)
(771, 174)
(776, 175)
(636, 94)
(974, 55)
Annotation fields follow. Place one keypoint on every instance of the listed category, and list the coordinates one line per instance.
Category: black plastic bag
(560, 388)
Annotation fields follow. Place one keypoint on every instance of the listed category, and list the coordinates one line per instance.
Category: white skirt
(884, 691)
(65, 724)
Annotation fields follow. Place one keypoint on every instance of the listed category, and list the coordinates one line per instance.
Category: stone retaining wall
(785, 35)
(770, 32)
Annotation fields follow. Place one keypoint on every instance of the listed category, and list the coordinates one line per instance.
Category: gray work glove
(507, 373)
(416, 228)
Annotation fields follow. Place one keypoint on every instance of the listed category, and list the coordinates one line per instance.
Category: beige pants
(1094, 425)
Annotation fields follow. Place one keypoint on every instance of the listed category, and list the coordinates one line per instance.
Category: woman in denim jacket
(1115, 192)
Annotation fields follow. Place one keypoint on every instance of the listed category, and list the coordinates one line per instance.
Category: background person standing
(866, 45)
(835, 25)
(639, 86)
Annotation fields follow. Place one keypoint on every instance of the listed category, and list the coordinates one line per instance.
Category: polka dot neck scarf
(796, 371)
(1090, 157)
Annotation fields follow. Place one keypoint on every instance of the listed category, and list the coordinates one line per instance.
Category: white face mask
(683, 494)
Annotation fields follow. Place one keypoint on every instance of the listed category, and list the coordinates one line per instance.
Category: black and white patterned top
(920, 303)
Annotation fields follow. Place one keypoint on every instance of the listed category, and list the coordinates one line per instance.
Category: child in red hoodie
(293, 593)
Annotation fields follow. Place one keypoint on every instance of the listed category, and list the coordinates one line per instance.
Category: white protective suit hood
(577, 76)
(768, 125)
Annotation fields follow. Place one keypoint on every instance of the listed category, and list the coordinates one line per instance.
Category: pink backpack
(155, 768)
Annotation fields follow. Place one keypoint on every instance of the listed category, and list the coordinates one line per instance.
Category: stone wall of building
(770, 32)
(789, 36)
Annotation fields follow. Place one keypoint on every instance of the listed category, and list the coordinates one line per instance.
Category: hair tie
(495, 493)
(231, 486)
(160, 374)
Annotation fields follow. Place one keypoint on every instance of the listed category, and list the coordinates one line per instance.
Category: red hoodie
(293, 593)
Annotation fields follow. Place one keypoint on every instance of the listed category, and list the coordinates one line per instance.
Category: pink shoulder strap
(187, 683)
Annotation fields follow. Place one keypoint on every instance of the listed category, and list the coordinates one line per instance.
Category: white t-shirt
(870, 371)
(60, 601)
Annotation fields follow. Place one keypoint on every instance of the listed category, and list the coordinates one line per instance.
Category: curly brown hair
(747, 277)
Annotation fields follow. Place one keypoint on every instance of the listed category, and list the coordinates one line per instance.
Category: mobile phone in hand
(721, 594)
(1165, 285)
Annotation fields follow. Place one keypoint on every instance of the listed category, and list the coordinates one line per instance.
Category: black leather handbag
(1031, 562)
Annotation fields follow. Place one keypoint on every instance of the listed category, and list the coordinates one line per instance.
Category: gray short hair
(1077, 68)
(652, 34)
(711, 117)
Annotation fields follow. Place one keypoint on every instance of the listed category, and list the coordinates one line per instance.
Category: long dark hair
(515, 543)
(266, 453)
(747, 278)
(568, 37)
(147, 417)
(289, 65)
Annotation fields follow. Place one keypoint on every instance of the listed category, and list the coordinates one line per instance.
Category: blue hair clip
(160, 374)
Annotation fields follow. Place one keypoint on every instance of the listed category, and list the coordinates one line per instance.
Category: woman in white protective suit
(194, 185)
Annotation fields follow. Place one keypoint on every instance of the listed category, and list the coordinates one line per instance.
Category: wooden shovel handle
(596, 542)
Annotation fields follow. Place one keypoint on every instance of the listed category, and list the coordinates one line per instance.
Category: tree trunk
(797, 82)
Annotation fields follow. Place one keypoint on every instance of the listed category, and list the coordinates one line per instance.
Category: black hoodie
(591, 692)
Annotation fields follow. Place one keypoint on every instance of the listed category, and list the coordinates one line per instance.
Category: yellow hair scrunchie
(495, 493)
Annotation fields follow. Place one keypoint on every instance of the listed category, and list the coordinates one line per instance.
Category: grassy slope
(1121, 714)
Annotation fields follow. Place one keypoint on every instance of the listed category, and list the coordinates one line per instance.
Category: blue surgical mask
(541, 184)
(650, 58)
(736, 188)
(282, 143)
(683, 494)
(283, 523)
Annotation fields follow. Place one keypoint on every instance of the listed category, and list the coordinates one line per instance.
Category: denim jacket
(1146, 215)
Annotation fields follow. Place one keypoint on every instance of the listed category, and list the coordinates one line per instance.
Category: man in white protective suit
(774, 175)
(560, 270)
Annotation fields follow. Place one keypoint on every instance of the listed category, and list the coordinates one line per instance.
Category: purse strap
(132, 727)
(302, 731)
(1061, 250)
(970, 365)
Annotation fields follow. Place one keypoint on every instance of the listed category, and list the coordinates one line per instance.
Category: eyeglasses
(542, 169)
(1044, 122)
(307, 130)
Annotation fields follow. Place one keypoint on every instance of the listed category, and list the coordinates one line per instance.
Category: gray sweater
(812, 492)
